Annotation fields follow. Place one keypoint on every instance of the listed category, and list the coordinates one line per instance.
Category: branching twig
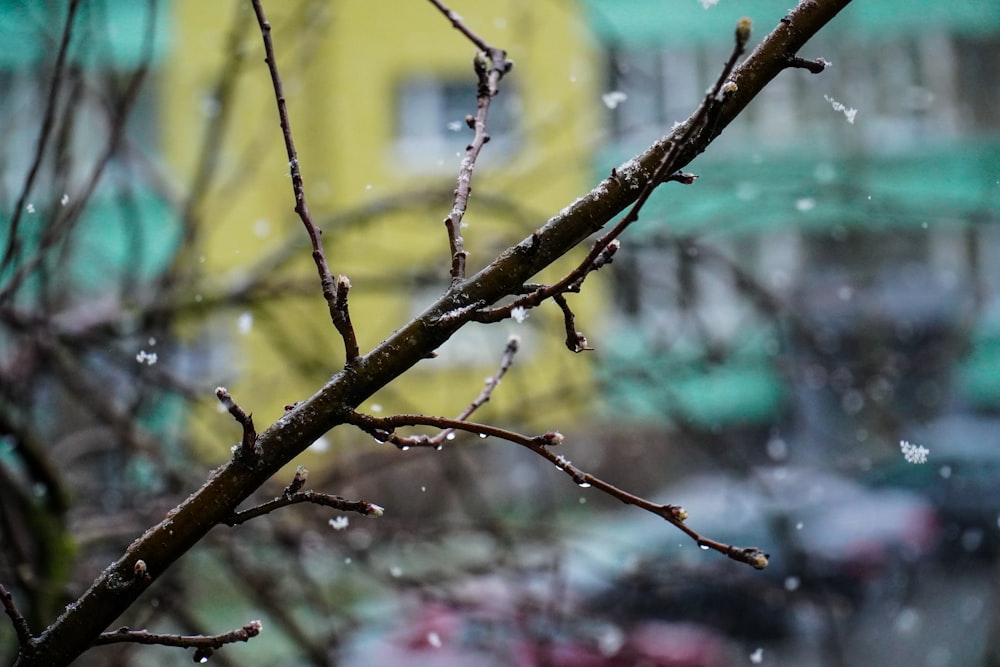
(703, 119)
(332, 289)
(336, 502)
(491, 64)
(249, 449)
(383, 429)
(205, 644)
(76, 629)
(21, 628)
(437, 441)
(492, 382)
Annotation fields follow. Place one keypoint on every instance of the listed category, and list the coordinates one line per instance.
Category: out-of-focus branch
(60, 226)
(334, 291)
(48, 120)
(362, 507)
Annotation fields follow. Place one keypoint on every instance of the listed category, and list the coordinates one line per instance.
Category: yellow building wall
(342, 65)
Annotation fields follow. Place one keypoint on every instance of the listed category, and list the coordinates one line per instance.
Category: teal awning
(108, 34)
(686, 385)
(761, 193)
(678, 22)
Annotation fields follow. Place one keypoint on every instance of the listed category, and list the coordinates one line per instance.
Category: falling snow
(708, 3)
(244, 323)
(339, 523)
(913, 453)
(849, 112)
(520, 314)
(148, 358)
(614, 98)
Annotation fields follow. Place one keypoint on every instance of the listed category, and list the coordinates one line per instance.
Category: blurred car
(824, 532)
(961, 480)
(500, 630)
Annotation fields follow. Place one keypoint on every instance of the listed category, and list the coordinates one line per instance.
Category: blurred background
(765, 339)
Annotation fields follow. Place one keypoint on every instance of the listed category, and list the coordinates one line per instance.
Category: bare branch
(490, 64)
(332, 405)
(21, 628)
(249, 449)
(600, 253)
(326, 500)
(575, 340)
(331, 288)
(383, 429)
(48, 120)
(205, 644)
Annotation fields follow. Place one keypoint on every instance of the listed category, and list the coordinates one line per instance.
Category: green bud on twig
(743, 32)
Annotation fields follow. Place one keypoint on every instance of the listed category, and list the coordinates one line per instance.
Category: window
(908, 89)
(431, 129)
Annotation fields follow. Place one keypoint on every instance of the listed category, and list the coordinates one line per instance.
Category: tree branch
(491, 65)
(334, 291)
(383, 430)
(78, 627)
(205, 645)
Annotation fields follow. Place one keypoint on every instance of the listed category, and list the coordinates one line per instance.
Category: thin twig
(249, 449)
(21, 628)
(383, 429)
(326, 500)
(665, 171)
(202, 642)
(331, 288)
(490, 64)
(575, 340)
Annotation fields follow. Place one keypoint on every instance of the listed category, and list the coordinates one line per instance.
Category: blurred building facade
(378, 96)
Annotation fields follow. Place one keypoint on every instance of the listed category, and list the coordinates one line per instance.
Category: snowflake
(849, 113)
(913, 453)
(339, 523)
(148, 358)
